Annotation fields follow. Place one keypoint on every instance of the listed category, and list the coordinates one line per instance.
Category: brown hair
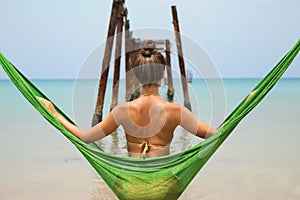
(147, 64)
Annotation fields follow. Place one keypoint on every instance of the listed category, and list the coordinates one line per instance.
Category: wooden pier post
(97, 117)
(128, 51)
(136, 88)
(118, 50)
(187, 103)
(169, 71)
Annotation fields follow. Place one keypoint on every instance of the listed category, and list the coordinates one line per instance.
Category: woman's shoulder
(123, 104)
(121, 107)
(173, 106)
(173, 110)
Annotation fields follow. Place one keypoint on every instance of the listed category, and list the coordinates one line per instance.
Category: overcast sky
(51, 39)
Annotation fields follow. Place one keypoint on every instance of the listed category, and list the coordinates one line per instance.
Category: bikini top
(145, 145)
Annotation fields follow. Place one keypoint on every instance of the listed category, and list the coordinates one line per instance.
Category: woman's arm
(190, 123)
(104, 128)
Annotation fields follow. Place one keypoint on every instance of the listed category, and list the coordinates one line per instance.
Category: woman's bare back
(149, 123)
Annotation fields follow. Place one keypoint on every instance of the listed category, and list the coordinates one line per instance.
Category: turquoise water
(261, 157)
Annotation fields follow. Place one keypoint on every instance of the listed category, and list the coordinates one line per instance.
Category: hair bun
(148, 48)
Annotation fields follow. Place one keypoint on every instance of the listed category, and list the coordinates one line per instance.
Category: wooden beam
(187, 103)
(97, 117)
(132, 85)
(136, 88)
(169, 71)
(118, 51)
(129, 48)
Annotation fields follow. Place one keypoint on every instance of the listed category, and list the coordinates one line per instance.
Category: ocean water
(259, 160)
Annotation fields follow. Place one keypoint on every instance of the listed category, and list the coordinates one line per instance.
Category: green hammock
(153, 178)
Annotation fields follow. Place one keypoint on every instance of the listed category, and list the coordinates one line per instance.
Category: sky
(52, 39)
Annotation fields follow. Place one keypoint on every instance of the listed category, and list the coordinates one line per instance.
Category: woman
(149, 121)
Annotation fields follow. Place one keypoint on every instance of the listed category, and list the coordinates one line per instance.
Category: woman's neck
(150, 90)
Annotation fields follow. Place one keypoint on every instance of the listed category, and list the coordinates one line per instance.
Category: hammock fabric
(153, 178)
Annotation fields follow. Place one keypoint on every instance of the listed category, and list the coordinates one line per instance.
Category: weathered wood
(136, 88)
(187, 103)
(169, 71)
(140, 43)
(132, 90)
(118, 51)
(128, 50)
(97, 117)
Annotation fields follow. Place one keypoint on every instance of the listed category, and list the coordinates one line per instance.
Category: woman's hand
(49, 106)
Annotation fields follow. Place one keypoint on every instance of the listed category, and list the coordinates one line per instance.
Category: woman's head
(147, 64)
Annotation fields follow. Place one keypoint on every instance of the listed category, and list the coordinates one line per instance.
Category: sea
(259, 160)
